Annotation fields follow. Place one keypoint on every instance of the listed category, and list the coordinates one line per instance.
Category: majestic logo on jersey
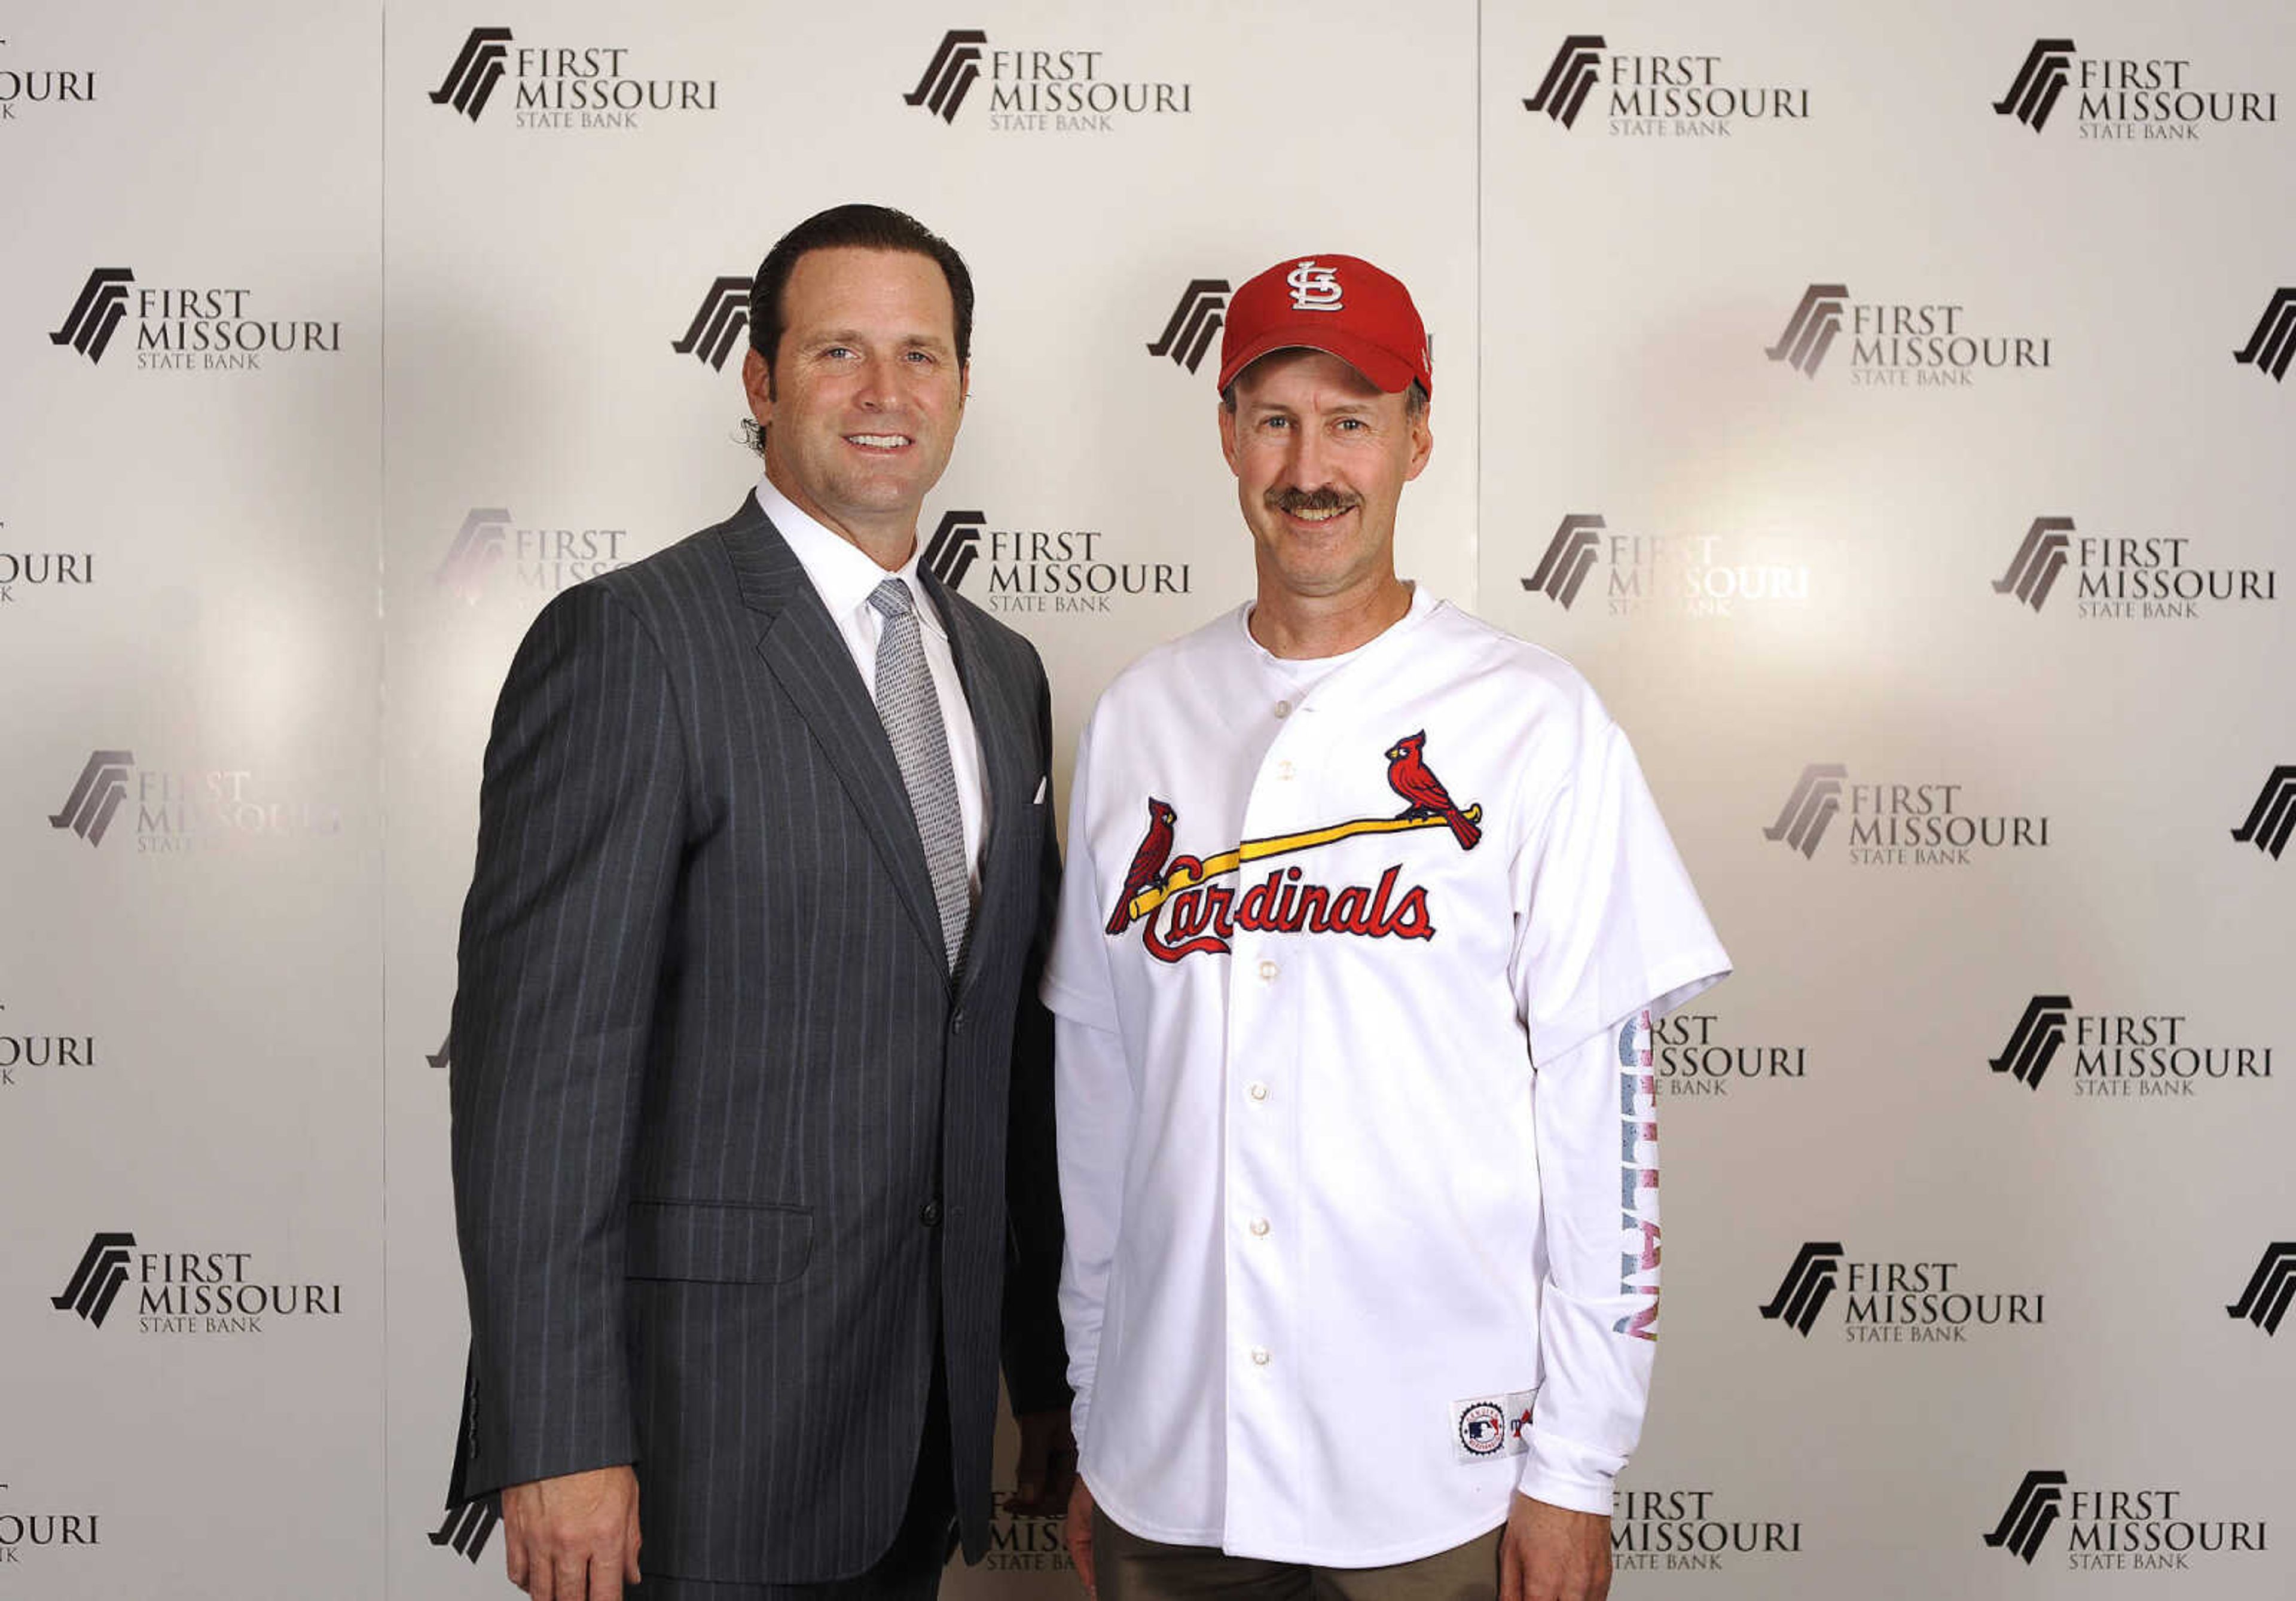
(1183, 913)
(1314, 288)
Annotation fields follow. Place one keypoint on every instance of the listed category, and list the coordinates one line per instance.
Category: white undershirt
(844, 578)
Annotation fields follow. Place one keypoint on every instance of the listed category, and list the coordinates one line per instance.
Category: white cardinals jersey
(1358, 1142)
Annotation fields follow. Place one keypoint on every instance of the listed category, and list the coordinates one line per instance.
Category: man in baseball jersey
(1368, 913)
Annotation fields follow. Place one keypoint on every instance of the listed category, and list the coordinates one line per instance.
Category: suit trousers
(1129, 1568)
(911, 1568)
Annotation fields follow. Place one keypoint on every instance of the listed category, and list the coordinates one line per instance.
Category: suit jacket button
(928, 1214)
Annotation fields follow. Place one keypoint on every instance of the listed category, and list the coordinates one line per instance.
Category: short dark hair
(853, 227)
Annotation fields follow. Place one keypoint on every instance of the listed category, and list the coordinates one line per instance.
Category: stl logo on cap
(1336, 303)
(1314, 288)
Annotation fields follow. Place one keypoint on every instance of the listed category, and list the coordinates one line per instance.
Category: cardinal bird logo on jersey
(1147, 862)
(1410, 776)
(1184, 910)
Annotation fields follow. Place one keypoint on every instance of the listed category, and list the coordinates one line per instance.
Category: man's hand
(1550, 1554)
(1047, 1466)
(1079, 1533)
(575, 1538)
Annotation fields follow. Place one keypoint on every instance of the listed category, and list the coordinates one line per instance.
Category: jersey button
(1259, 1226)
(1284, 770)
(1260, 1357)
(1267, 972)
(1283, 709)
(1258, 1092)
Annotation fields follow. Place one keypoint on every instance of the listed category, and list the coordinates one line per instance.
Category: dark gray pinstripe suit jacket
(727, 1138)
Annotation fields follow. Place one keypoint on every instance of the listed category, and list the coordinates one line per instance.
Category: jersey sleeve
(1612, 934)
(1596, 1123)
(1611, 925)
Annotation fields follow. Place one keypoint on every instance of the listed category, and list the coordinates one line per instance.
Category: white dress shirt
(845, 579)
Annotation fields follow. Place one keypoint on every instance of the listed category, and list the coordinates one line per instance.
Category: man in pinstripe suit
(752, 1142)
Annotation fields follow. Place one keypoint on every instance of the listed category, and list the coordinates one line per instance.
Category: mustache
(1312, 500)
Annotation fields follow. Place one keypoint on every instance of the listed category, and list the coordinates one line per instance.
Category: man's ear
(758, 383)
(1227, 436)
(1423, 441)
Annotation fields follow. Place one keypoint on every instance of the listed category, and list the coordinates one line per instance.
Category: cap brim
(1387, 371)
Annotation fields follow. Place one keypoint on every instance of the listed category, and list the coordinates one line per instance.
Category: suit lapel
(809, 659)
(1000, 722)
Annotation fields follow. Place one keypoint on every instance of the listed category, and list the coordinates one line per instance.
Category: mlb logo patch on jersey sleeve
(1491, 1425)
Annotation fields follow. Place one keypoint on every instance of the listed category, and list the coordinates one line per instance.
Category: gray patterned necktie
(908, 707)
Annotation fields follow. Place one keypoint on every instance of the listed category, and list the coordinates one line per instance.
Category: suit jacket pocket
(703, 1241)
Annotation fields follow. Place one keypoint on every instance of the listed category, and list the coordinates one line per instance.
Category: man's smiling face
(1321, 456)
(862, 404)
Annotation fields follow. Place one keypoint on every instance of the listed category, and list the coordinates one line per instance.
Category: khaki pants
(1132, 1569)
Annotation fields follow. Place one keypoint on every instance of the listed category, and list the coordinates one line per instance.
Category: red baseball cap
(1341, 305)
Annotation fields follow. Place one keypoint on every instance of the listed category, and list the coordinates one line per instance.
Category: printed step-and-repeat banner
(1887, 411)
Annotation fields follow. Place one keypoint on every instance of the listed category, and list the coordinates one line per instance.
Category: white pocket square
(1042, 786)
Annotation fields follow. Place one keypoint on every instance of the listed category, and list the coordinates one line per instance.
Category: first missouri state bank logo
(96, 316)
(96, 795)
(1043, 570)
(2126, 1053)
(1658, 96)
(1676, 575)
(562, 86)
(471, 81)
(1896, 1302)
(2125, 97)
(2034, 1043)
(204, 330)
(1900, 344)
(2033, 1511)
(25, 89)
(467, 1528)
(1918, 825)
(2273, 346)
(2264, 1302)
(489, 552)
(186, 1291)
(2131, 1528)
(2122, 577)
(2273, 818)
(723, 317)
(1183, 912)
(179, 811)
(950, 75)
(1066, 89)
(955, 547)
(1195, 322)
(96, 1282)
(1806, 1286)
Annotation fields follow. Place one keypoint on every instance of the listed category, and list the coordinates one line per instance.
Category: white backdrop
(254, 607)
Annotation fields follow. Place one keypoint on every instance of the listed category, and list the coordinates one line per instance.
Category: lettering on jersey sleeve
(1184, 911)
(1638, 1178)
